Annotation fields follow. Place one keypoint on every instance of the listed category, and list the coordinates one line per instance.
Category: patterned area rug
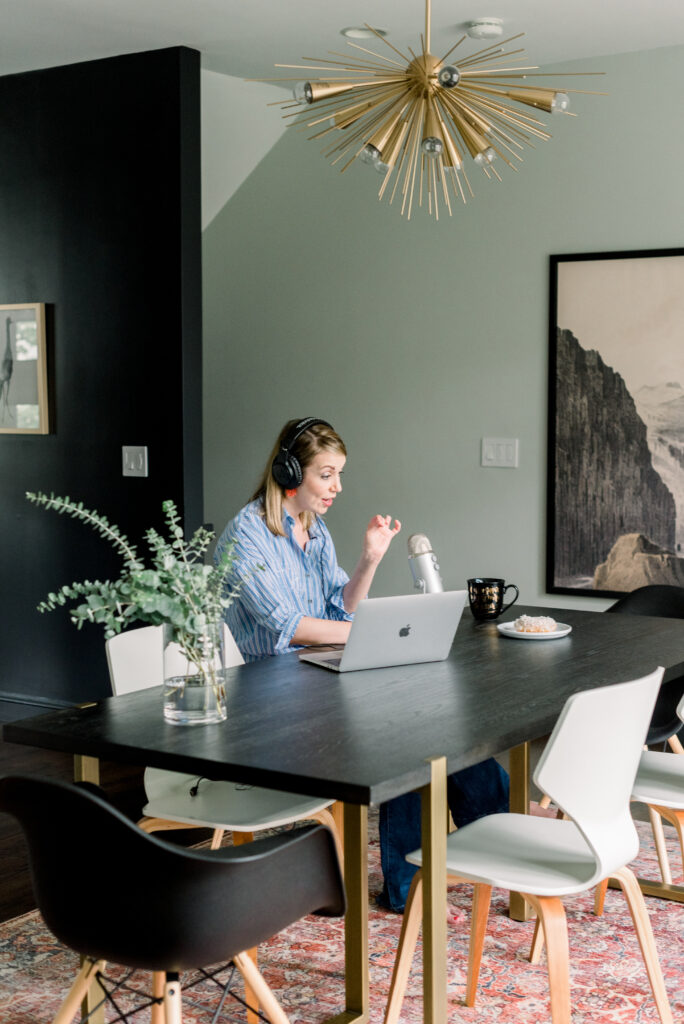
(305, 965)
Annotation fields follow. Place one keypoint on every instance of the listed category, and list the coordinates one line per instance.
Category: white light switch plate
(501, 452)
(134, 460)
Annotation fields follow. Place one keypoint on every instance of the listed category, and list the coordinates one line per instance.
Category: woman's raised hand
(379, 534)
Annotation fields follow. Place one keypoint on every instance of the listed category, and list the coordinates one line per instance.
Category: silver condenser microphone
(423, 563)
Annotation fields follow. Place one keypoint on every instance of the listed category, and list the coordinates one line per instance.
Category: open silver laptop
(404, 630)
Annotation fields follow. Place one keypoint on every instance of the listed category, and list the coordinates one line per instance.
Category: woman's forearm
(358, 586)
(321, 631)
(377, 539)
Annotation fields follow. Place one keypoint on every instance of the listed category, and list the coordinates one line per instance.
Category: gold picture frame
(24, 407)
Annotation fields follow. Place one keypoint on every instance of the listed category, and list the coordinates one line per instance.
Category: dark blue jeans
(472, 793)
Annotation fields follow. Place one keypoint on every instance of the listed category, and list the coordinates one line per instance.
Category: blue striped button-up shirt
(292, 583)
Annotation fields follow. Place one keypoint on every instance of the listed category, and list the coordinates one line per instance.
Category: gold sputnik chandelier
(415, 122)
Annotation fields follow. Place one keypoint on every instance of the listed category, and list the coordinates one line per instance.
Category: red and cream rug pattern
(305, 964)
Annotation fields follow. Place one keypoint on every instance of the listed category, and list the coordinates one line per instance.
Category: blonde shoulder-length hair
(317, 438)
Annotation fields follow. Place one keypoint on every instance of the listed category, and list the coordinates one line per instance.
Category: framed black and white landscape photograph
(616, 422)
(23, 369)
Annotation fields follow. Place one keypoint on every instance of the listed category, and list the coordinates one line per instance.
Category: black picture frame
(615, 481)
(24, 405)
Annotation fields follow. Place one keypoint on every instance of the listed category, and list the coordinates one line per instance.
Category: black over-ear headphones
(286, 469)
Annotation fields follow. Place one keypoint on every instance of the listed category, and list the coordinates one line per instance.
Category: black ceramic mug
(487, 597)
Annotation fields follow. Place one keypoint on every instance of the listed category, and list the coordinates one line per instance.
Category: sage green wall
(417, 339)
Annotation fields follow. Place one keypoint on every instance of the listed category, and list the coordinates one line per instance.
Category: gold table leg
(87, 769)
(661, 890)
(434, 831)
(519, 803)
(356, 973)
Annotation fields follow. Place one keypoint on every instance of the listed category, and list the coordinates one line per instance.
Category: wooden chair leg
(255, 982)
(77, 992)
(659, 840)
(676, 818)
(676, 745)
(217, 838)
(173, 1004)
(482, 895)
(251, 998)
(337, 811)
(545, 802)
(164, 825)
(600, 897)
(325, 817)
(410, 928)
(642, 926)
(552, 915)
(158, 1015)
(537, 942)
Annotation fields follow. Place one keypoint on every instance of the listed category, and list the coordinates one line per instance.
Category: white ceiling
(246, 37)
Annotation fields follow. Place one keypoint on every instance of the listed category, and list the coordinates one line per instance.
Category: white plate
(507, 628)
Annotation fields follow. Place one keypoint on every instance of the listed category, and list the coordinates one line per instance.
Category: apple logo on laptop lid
(405, 630)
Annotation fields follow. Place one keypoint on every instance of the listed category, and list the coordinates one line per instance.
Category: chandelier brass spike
(388, 60)
(386, 41)
(418, 122)
(454, 47)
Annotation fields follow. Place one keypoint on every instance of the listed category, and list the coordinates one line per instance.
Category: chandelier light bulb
(432, 146)
(449, 76)
(370, 155)
(303, 93)
(486, 157)
(560, 103)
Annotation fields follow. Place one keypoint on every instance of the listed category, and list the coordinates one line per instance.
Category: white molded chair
(659, 784)
(546, 858)
(136, 662)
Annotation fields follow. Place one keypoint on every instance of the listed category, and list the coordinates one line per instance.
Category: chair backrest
(137, 660)
(143, 902)
(591, 778)
(657, 599)
(668, 603)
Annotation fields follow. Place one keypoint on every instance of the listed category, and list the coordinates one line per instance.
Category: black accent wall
(99, 218)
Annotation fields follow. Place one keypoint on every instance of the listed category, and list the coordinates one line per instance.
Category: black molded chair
(111, 892)
(667, 602)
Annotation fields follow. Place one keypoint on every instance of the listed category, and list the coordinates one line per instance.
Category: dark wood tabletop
(364, 737)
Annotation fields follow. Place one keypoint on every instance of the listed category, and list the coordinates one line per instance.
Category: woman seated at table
(292, 593)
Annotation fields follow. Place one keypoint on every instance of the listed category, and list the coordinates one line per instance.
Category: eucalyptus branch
(94, 519)
(177, 590)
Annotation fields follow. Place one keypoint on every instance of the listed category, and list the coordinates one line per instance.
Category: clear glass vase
(194, 691)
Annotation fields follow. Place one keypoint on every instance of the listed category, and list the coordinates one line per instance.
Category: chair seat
(542, 856)
(223, 805)
(660, 779)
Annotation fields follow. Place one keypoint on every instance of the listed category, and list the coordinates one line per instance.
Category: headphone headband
(299, 428)
(286, 469)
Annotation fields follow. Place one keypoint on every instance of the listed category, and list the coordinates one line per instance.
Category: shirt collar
(314, 531)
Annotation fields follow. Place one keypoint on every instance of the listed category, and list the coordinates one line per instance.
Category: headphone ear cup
(294, 471)
(286, 471)
(285, 468)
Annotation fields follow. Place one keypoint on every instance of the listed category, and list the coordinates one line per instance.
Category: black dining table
(365, 737)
